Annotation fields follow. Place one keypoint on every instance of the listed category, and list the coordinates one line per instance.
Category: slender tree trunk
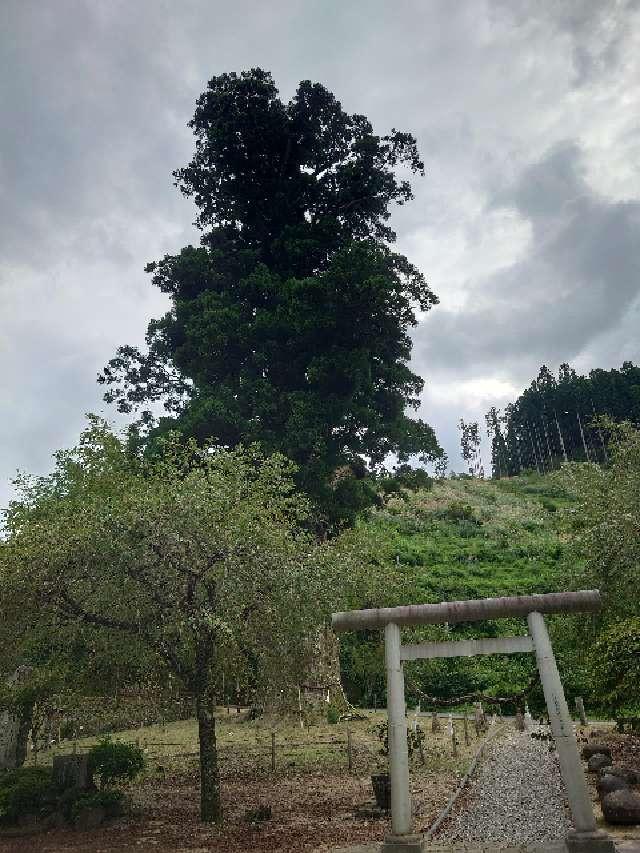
(210, 803)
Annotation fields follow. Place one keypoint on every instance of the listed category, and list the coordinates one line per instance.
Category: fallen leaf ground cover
(312, 795)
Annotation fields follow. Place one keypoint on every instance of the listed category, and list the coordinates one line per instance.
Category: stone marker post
(580, 710)
(14, 729)
(585, 838)
(527, 716)
(435, 722)
(478, 717)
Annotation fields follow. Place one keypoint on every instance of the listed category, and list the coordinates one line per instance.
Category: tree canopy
(289, 323)
(196, 556)
(552, 421)
(606, 540)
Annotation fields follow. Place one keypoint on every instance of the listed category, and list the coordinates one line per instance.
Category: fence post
(580, 710)
(466, 729)
(349, 751)
(454, 742)
(273, 752)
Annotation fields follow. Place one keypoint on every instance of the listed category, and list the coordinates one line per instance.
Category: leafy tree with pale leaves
(198, 556)
(606, 537)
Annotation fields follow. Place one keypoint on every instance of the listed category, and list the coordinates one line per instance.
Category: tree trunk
(210, 803)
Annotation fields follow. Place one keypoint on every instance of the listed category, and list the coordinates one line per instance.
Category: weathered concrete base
(590, 842)
(402, 844)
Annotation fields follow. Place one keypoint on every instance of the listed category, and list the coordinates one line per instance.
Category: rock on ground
(515, 797)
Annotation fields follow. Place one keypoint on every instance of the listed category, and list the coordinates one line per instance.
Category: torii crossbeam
(585, 838)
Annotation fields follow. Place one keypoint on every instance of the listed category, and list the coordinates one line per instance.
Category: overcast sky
(527, 224)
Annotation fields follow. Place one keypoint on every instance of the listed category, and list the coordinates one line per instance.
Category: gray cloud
(529, 241)
(596, 29)
(576, 282)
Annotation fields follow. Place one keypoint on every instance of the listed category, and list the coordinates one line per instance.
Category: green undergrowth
(474, 539)
(463, 539)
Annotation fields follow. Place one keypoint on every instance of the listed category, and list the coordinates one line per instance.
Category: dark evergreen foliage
(289, 322)
(557, 419)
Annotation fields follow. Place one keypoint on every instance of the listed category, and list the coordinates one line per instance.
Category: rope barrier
(477, 697)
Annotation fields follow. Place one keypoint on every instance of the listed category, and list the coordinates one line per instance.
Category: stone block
(594, 748)
(589, 842)
(402, 844)
(608, 783)
(598, 761)
(72, 771)
(632, 777)
(621, 807)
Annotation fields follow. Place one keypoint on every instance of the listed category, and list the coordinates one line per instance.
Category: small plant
(415, 738)
(550, 506)
(110, 801)
(116, 762)
(333, 715)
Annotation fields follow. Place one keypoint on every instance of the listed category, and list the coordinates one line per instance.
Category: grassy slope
(464, 539)
(508, 545)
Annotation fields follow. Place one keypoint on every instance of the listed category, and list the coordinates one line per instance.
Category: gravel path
(516, 796)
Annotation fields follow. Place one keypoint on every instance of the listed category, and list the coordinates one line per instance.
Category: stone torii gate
(585, 838)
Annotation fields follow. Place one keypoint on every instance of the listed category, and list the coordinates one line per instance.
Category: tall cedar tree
(554, 420)
(289, 322)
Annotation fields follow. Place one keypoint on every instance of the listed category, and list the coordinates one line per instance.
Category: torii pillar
(585, 837)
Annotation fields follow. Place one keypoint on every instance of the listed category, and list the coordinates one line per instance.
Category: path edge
(446, 811)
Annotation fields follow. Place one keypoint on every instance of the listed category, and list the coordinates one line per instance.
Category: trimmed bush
(27, 790)
(110, 801)
(116, 761)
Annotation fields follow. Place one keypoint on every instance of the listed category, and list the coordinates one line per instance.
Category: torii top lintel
(474, 610)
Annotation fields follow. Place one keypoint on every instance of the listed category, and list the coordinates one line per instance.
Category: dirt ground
(310, 812)
(312, 796)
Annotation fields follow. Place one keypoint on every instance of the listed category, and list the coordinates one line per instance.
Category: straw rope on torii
(475, 697)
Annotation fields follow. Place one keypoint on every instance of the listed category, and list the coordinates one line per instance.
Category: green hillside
(474, 538)
(462, 539)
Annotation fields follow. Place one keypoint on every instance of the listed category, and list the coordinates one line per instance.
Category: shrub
(390, 486)
(110, 801)
(467, 529)
(550, 506)
(415, 479)
(458, 511)
(67, 800)
(115, 762)
(25, 791)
